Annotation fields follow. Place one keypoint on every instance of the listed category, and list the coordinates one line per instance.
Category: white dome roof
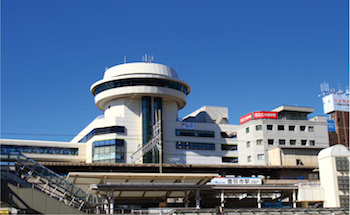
(140, 68)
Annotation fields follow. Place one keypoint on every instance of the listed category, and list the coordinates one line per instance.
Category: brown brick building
(341, 134)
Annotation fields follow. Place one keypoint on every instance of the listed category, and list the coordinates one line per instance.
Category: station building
(140, 103)
(139, 145)
(140, 125)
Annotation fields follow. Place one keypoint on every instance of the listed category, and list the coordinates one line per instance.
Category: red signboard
(245, 118)
(258, 115)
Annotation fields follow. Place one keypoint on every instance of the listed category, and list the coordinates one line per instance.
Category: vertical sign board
(331, 125)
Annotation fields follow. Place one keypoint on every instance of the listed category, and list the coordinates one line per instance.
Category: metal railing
(46, 181)
(155, 142)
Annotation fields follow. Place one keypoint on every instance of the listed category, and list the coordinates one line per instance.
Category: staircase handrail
(73, 192)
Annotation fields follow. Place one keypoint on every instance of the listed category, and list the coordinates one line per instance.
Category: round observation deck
(139, 79)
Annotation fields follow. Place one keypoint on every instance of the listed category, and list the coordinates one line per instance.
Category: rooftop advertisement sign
(335, 102)
(258, 115)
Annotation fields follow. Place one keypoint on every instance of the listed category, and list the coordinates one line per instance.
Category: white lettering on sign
(265, 115)
(258, 115)
(245, 118)
(237, 180)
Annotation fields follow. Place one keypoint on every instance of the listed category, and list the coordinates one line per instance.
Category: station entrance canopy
(140, 185)
(167, 186)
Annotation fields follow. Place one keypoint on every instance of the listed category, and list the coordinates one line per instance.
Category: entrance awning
(140, 185)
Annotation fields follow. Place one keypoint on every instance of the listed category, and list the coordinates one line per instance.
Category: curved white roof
(338, 150)
(140, 68)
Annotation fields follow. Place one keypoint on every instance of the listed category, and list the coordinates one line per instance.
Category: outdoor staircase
(154, 143)
(28, 185)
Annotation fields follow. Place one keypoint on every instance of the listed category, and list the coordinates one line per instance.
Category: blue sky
(246, 55)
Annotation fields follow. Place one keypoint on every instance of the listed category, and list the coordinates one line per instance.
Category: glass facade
(195, 146)
(150, 107)
(39, 150)
(99, 131)
(140, 82)
(194, 133)
(108, 151)
(342, 163)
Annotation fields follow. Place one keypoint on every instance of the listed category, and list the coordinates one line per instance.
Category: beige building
(283, 136)
(291, 156)
(334, 175)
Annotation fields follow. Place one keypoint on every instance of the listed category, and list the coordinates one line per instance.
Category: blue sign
(331, 125)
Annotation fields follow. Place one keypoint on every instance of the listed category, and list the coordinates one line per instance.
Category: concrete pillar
(294, 199)
(259, 199)
(111, 204)
(198, 200)
(105, 207)
(222, 201)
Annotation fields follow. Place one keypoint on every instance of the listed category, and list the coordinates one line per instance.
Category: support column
(294, 199)
(105, 206)
(111, 203)
(259, 199)
(198, 200)
(222, 201)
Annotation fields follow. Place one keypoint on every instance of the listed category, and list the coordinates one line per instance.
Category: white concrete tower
(130, 94)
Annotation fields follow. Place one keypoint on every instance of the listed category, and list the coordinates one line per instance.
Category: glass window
(343, 183)
(138, 82)
(108, 151)
(269, 127)
(303, 142)
(259, 142)
(270, 141)
(228, 147)
(261, 156)
(228, 135)
(194, 133)
(249, 159)
(311, 128)
(248, 144)
(195, 146)
(302, 128)
(342, 163)
(247, 130)
(280, 127)
(291, 127)
(344, 201)
(229, 159)
(312, 142)
(282, 142)
(99, 131)
(258, 127)
(292, 142)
